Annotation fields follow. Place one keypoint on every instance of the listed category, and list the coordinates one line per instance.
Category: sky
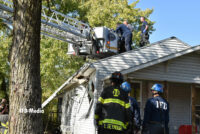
(180, 18)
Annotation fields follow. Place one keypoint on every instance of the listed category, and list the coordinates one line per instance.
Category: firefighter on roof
(126, 34)
(144, 32)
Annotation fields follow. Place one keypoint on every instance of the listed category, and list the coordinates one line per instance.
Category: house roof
(137, 57)
(130, 61)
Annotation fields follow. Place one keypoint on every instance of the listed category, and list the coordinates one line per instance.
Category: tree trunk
(25, 86)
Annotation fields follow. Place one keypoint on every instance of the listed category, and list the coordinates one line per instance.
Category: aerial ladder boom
(81, 37)
(53, 24)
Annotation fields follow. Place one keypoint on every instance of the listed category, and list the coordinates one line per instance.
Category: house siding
(180, 106)
(184, 69)
(74, 108)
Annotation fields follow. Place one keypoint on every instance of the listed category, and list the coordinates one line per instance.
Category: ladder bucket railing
(53, 24)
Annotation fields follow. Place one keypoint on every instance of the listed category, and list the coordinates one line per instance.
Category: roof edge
(69, 80)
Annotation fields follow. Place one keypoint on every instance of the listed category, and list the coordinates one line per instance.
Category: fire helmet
(158, 88)
(126, 87)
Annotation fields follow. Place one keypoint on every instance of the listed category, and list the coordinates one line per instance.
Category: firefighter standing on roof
(112, 112)
(144, 32)
(128, 25)
(126, 34)
(156, 114)
(135, 110)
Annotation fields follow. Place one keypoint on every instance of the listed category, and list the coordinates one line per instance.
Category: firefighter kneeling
(112, 112)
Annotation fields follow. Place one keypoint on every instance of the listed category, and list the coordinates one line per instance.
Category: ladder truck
(99, 42)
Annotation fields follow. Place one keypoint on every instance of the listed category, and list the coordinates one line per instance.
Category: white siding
(84, 125)
(184, 69)
(73, 115)
(180, 106)
(67, 112)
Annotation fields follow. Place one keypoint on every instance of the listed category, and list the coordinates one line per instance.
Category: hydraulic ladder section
(53, 24)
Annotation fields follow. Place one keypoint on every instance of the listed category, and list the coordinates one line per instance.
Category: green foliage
(4, 51)
(56, 65)
(64, 6)
(4, 64)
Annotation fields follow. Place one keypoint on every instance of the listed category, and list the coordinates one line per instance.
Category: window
(111, 37)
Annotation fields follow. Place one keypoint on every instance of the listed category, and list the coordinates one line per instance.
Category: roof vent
(173, 37)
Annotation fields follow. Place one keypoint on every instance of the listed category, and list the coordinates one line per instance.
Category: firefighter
(144, 32)
(112, 112)
(126, 35)
(4, 128)
(128, 25)
(135, 110)
(156, 114)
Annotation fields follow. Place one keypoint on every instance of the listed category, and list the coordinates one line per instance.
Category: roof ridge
(186, 44)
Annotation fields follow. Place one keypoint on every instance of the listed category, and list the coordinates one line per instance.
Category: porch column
(193, 108)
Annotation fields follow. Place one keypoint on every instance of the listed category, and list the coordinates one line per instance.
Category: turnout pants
(154, 129)
(128, 42)
(106, 131)
(144, 39)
